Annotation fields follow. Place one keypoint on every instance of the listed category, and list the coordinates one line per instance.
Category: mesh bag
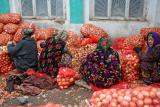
(129, 61)
(73, 40)
(43, 34)
(10, 28)
(1, 27)
(134, 41)
(89, 30)
(5, 38)
(10, 18)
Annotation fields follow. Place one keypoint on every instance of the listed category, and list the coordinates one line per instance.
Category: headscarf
(156, 41)
(27, 32)
(104, 44)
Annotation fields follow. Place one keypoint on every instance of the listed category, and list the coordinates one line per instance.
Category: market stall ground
(73, 96)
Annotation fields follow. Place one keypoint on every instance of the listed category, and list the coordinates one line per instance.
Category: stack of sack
(11, 26)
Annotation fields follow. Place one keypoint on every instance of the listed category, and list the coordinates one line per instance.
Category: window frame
(50, 16)
(109, 17)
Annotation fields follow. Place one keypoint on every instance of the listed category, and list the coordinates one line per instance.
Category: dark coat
(24, 54)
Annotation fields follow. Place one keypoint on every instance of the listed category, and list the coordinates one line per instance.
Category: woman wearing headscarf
(24, 53)
(101, 68)
(51, 57)
(150, 61)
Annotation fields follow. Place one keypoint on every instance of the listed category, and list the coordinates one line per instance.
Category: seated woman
(51, 56)
(150, 61)
(24, 53)
(101, 68)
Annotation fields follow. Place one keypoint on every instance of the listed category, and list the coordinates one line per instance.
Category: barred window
(117, 9)
(42, 9)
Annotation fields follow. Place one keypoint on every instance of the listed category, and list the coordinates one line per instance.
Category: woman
(150, 61)
(50, 57)
(24, 53)
(101, 68)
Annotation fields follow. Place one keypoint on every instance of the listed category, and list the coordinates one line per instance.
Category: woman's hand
(10, 42)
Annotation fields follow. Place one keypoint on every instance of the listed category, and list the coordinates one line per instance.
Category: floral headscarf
(104, 44)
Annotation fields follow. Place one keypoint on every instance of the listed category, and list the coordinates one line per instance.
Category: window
(42, 9)
(117, 9)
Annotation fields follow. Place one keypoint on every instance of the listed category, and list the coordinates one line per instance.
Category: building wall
(4, 6)
(125, 28)
(157, 15)
(114, 28)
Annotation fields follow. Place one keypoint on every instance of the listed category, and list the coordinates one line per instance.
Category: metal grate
(27, 7)
(118, 8)
(101, 8)
(57, 7)
(136, 8)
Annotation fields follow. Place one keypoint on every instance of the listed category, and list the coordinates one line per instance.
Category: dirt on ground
(73, 97)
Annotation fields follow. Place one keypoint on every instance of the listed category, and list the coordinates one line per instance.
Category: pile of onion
(134, 41)
(129, 61)
(66, 77)
(6, 64)
(90, 30)
(137, 97)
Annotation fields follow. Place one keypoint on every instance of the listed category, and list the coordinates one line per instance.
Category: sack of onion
(66, 77)
(129, 62)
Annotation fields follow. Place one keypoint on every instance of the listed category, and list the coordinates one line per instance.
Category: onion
(154, 90)
(158, 94)
(127, 98)
(114, 95)
(105, 102)
(99, 104)
(125, 103)
(140, 103)
(145, 93)
(113, 104)
(63, 80)
(146, 106)
(61, 87)
(132, 104)
(65, 86)
(97, 100)
(147, 101)
(152, 94)
(102, 96)
(120, 98)
(135, 92)
(140, 96)
(108, 97)
(71, 79)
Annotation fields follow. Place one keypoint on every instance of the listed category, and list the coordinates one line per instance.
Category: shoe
(148, 81)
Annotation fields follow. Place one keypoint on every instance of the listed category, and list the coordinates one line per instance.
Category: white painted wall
(126, 28)
(114, 28)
